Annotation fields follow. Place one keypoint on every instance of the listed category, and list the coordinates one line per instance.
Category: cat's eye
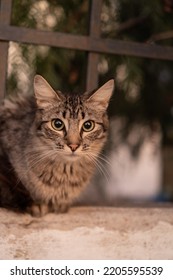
(88, 126)
(57, 124)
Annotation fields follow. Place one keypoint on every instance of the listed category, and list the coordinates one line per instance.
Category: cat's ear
(44, 93)
(102, 96)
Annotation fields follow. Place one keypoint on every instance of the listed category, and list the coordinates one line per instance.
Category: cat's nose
(73, 147)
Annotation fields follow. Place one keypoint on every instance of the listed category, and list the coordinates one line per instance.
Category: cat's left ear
(44, 93)
(102, 96)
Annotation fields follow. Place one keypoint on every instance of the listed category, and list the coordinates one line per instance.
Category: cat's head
(72, 125)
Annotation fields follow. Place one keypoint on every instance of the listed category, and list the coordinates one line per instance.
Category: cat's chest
(53, 181)
(61, 174)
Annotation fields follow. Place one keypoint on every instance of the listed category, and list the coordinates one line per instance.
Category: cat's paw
(38, 210)
(61, 207)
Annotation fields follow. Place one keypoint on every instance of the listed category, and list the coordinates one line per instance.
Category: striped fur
(43, 169)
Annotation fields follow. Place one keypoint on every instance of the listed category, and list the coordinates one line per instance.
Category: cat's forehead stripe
(73, 107)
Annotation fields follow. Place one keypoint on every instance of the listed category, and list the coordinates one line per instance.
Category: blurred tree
(64, 69)
(144, 86)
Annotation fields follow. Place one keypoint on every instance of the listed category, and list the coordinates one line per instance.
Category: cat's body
(49, 146)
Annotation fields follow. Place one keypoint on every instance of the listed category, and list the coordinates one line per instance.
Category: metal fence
(93, 44)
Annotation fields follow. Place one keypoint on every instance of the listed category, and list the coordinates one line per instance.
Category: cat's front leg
(61, 207)
(38, 209)
(41, 209)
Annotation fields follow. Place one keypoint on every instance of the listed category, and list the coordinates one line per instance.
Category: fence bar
(5, 17)
(94, 32)
(84, 43)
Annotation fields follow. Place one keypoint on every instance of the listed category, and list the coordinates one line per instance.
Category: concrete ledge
(89, 233)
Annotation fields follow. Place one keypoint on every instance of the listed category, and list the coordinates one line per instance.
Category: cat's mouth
(72, 156)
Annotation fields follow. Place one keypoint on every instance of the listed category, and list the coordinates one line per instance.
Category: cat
(49, 146)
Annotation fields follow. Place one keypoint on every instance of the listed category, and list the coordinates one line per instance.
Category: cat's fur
(43, 169)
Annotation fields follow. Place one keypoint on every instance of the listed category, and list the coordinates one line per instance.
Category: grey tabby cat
(49, 146)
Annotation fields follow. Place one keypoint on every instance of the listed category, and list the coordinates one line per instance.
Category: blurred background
(144, 87)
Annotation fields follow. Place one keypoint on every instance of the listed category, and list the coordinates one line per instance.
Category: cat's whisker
(107, 160)
(99, 165)
(41, 158)
(101, 156)
(33, 164)
(38, 158)
(104, 158)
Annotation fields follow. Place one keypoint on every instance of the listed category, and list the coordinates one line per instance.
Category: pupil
(58, 123)
(87, 125)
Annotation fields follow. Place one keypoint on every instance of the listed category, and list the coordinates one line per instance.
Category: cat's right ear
(44, 93)
(100, 98)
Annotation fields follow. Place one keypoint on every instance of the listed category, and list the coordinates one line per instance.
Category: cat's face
(73, 126)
